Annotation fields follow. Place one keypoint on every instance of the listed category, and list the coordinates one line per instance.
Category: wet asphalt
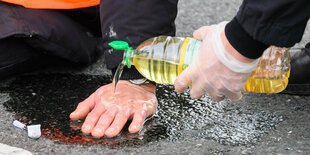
(259, 124)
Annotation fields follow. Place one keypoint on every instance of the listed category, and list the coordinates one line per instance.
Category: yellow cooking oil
(159, 71)
(266, 85)
(272, 72)
(161, 59)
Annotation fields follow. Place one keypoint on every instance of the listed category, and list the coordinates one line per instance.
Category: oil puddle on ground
(48, 99)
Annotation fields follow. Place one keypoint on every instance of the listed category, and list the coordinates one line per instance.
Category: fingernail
(86, 127)
(110, 130)
(97, 132)
(73, 113)
(134, 127)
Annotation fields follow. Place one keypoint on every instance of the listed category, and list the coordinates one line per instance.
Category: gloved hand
(106, 113)
(218, 70)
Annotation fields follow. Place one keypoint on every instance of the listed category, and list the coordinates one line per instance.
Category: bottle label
(189, 51)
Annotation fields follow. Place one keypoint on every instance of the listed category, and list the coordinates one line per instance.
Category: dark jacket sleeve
(260, 23)
(134, 21)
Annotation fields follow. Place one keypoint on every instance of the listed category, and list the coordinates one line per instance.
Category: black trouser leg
(16, 57)
(48, 31)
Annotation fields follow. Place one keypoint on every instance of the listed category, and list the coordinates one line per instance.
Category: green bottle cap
(119, 45)
(122, 45)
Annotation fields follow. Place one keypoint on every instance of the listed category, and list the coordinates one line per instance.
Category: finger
(104, 122)
(206, 88)
(215, 94)
(92, 118)
(183, 81)
(84, 108)
(217, 97)
(118, 123)
(232, 91)
(215, 91)
(202, 32)
(137, 122)
(197, 90)
(234, 96)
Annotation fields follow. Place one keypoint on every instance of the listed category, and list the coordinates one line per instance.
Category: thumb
(183, 81)
(202, 32)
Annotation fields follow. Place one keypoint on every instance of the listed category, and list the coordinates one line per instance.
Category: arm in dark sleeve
(134, 21)
(260, 23)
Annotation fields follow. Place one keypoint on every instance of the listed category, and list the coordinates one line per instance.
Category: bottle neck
(129, 53)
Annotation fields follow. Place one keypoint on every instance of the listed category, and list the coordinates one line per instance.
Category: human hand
(218, 70)
(106, 113)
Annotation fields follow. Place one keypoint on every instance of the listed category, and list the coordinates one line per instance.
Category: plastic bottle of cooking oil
(162, 59)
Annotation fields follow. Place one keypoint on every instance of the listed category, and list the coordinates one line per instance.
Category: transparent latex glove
(218, 70)
(106, 113)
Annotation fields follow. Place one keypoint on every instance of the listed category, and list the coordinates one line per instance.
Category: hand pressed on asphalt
(106, 113)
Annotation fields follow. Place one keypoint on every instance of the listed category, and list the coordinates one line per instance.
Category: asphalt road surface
(259, 124)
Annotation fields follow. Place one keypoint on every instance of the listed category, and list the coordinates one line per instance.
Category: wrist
(232, 51)
(225, 57)
(150, 86)
(141, 81)
(245, 44)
